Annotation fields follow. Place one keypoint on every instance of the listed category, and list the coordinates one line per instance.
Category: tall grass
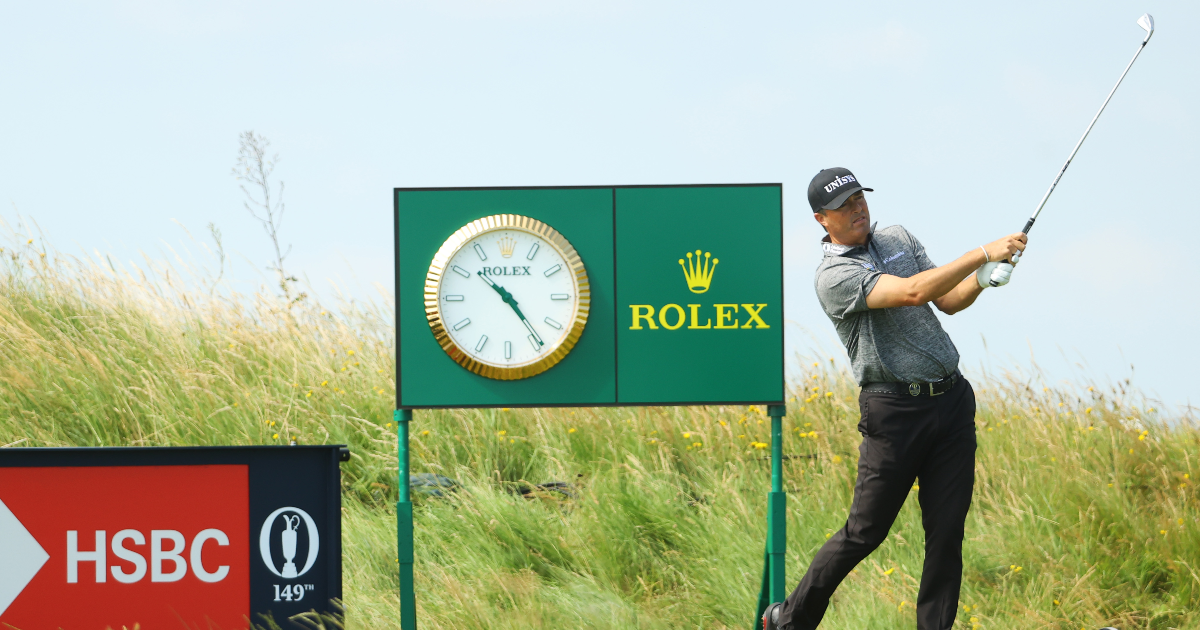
(1085, 509)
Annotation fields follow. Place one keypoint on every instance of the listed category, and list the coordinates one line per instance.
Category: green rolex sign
(589, 296)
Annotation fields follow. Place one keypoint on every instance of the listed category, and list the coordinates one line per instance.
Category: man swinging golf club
(918, 412)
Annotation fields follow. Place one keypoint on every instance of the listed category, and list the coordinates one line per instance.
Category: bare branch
(254, 167)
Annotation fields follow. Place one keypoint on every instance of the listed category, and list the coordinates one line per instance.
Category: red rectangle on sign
(99, 547)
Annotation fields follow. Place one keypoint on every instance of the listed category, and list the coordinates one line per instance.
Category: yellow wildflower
(890, 571)
(571, 430)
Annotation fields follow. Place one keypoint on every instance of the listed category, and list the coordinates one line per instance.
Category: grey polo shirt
(900, 344)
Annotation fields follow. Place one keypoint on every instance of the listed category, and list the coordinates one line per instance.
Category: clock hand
(512, 302)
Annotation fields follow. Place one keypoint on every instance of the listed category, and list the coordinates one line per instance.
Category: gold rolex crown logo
(698, 273)
(506, 246)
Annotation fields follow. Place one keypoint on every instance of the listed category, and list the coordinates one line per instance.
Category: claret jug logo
(284, 526)
(698, 273)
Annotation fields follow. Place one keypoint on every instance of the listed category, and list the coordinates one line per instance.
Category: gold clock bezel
(495, 222)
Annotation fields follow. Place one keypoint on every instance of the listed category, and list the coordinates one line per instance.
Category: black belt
(936, 388)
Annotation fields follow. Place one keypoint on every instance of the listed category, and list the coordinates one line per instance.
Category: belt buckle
(914, 389)
(931, 393)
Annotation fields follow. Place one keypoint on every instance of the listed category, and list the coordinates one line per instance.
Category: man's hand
(1006, 248)
(994, 274)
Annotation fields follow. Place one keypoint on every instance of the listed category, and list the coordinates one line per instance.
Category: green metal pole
(404, 527)
(774, 589)
(777, 529)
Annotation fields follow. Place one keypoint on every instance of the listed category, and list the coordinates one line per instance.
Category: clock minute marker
(553, 324)
(560, 296)
(532, 252)
(479, 250)
(482, 341)
(463, 324)
(553, 270)
(507, 349)
(460, 271)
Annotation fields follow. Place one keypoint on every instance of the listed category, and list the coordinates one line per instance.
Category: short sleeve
(843, 288)
(919, 254)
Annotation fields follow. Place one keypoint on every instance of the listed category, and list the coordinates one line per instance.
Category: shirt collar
(837, 249)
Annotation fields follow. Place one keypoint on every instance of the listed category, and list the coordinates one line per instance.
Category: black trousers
(930, 439)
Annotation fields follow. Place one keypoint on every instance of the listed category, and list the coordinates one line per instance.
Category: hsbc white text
(161, 556)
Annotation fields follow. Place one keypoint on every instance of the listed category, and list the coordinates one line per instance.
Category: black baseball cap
(831, 188)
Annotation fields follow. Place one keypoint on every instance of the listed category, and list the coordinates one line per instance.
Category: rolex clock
(507, 297)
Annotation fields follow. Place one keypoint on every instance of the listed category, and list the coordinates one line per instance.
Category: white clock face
(508, 297)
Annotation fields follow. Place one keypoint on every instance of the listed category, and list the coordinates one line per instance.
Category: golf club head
(1147, 23)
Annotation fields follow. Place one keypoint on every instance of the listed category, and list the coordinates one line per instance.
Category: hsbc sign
(163, 537)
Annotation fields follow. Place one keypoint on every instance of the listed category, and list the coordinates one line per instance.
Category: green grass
(1085, 508)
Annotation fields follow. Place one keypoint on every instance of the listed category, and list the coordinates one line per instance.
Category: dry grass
(1085, 511)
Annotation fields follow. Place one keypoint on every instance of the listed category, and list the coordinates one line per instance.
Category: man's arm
(949, 286)
(960, 297)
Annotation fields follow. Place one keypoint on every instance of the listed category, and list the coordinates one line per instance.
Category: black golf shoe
(770, 617)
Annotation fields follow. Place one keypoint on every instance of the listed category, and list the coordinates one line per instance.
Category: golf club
(1147, 23)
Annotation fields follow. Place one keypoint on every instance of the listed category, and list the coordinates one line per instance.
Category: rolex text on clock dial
(507, 296)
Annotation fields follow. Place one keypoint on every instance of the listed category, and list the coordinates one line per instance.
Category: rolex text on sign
(699, 284)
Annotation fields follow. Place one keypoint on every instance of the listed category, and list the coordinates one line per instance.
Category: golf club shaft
(1042, 204)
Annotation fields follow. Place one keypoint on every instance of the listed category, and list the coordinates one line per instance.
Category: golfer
(917, 410)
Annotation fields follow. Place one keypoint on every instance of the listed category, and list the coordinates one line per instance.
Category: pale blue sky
(116, 118)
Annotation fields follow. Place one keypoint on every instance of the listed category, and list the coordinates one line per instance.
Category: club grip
(1028, 225)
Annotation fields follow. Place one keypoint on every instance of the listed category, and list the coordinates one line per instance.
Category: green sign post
(589, 296)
